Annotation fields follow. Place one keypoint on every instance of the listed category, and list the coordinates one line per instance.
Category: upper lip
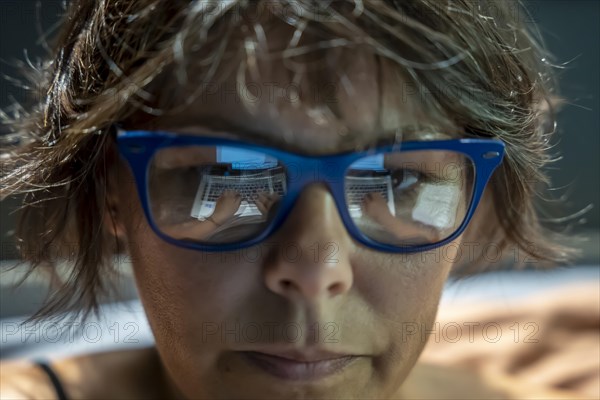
(303, 355)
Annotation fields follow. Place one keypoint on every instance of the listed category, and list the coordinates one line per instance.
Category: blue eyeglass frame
(138, 146)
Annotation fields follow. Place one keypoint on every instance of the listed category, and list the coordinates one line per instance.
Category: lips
(296, 366)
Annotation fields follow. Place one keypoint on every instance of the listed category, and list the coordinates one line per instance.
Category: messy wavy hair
(111, 57)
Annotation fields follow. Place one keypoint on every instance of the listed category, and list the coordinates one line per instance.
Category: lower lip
(297, 371)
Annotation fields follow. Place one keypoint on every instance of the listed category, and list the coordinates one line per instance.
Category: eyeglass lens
(224, 194)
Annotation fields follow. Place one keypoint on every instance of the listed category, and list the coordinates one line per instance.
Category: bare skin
(132, 373)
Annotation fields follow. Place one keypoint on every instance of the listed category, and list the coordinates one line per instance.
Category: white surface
(122, 325)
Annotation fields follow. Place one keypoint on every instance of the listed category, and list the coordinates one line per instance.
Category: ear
(113, 208)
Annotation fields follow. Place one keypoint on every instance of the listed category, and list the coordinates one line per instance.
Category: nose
(313, 260)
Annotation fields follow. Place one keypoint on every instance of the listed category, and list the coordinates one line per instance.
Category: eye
(405, 179)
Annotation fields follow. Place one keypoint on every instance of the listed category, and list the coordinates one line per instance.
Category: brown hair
(111, 55)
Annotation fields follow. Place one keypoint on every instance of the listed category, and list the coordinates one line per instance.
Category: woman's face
(309, 292)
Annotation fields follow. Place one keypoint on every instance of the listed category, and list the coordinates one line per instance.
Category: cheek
(183, 297)
(403, 286)
(403, 292)
(179, 288)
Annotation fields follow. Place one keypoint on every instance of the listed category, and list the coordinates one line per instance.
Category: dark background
(570, 28)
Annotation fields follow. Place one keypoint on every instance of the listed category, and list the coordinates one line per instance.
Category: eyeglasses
(217, 194)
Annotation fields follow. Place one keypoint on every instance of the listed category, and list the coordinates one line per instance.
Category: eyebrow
(218, 125)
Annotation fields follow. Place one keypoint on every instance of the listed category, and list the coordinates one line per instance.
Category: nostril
(286, 284)
(336, 288)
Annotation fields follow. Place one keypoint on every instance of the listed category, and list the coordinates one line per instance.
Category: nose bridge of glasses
(327, 169)
(308, 196)
(305, 171)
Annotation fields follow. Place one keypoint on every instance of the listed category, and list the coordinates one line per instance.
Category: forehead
(336, 100)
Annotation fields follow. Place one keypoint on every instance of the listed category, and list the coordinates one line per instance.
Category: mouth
(299, 367)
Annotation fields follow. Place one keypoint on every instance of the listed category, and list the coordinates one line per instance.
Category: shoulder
(24, 380)
(85, 376)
